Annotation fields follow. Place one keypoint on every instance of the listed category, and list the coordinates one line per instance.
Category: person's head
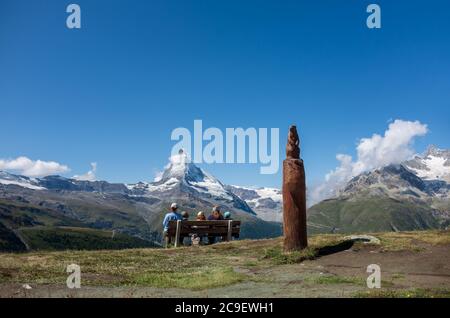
(185, 215)
(215, 215)
(201, 216)
(174, 207)
(216, 212)
(227, 215)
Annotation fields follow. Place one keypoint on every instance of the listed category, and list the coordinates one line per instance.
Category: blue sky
(113, 91)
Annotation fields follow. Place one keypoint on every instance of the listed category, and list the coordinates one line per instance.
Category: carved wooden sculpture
(294, 196)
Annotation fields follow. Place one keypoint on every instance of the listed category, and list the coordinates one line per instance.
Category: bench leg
(166, 241)
(230, 230)
(177, 233)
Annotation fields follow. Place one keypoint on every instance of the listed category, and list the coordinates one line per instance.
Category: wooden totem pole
(294, 196)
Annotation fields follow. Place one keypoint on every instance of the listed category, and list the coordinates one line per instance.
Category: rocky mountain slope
(410, 196)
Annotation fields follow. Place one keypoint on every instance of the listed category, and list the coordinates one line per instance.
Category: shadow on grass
(278, 256)
(336, 248)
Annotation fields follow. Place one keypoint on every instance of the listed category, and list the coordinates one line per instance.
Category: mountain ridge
(390, 198)
(133, 210)
(412, 195)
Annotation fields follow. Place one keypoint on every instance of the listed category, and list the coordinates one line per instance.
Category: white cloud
(32, 168)
(158, 176)
(372, 153)
(177, 163)
(88, 176)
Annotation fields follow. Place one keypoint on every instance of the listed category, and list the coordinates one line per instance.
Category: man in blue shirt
(171, 216)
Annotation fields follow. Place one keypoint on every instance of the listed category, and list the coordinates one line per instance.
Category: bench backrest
(210, 228)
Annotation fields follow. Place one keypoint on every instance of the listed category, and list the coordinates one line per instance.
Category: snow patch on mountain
(436, 168)
(433, 165)
(24, 182)
(266, 202)
(263, 193)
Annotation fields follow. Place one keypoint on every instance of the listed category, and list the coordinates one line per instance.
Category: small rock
(368, 239)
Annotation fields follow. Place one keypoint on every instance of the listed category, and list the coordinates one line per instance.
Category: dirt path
(340, 274)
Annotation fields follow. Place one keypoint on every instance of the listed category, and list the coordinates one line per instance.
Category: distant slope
(72, 238)
(9, 241)
(24, 226)
(392, 198)
(370, 214)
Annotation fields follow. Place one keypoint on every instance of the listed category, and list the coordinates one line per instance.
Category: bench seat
(223, 228)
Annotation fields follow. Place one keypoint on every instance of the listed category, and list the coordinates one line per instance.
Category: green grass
(250, 264)
(398, 276)
(327, 279)
(278, 257)
(409, 293)
(408, 241)
(66, 238)
(195, 268)
(334, 279)
(197, 279)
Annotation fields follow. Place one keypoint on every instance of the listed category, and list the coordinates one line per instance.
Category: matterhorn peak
(178, 164)
(181, 172)
(181, 168)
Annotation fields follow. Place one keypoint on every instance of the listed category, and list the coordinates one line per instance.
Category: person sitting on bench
(201, 216)
(185, 216)
(226, 217)
(195, 238)
(215, 216)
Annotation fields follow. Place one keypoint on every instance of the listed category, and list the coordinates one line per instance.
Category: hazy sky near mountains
(110, 94)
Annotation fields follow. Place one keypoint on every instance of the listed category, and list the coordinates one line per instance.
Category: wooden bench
(180, 229)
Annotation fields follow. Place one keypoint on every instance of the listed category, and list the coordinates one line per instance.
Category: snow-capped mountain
(182, 176)
(180, 172)
(396, 181)
(423, 177)
(21, 181)
(180, 179)
(421, 180)
(131, 209)
(266, 202)
(411, 195)
(408, 196)
(434, 164)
